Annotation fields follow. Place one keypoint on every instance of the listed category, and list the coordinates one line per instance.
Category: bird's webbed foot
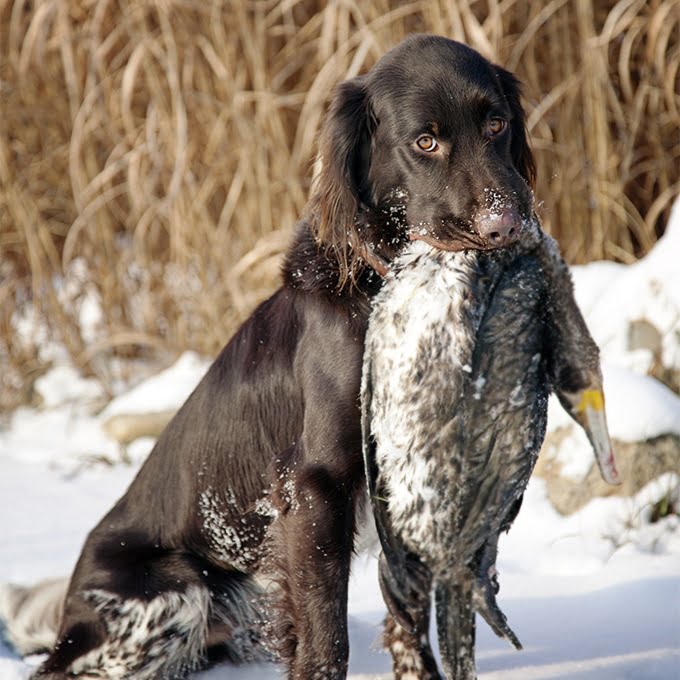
(405, 589)
(484, 591)
(484, 601)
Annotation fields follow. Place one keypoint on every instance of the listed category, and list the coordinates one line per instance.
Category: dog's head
(430, 144)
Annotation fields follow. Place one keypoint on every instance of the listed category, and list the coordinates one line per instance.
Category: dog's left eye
(495, 126)
(427, 143)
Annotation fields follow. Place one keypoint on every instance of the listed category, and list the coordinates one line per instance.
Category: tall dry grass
(155, 155)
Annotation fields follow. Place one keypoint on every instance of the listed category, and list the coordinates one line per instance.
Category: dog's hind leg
(142, 611)
(161, 635)
(106, 635)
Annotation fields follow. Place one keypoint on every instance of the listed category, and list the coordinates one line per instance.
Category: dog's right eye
(427, 143)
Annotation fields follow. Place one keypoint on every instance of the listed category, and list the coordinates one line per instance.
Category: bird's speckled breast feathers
(454, 395)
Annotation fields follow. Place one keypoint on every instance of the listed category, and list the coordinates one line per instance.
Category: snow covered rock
(126, 428)
(145, 410)
(644, 423)
(638, 464)
(633, 313)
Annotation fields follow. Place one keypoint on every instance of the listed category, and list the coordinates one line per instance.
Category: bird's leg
(411, 652)
(406, 627)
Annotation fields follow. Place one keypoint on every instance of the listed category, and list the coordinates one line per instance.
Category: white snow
(638, 406)
(593, 596)
(612, 295)
(167, 390)
(64, 384)
(641, 407)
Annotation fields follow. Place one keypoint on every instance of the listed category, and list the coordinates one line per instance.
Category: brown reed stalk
(156, 155)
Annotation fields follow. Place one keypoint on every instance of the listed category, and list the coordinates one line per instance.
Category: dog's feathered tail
(31, 614)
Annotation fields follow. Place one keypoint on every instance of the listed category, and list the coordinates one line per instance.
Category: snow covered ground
(593, 596)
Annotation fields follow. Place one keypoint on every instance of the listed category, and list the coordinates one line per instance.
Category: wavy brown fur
(336, 200)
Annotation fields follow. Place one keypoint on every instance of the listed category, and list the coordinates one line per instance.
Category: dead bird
(462, 351)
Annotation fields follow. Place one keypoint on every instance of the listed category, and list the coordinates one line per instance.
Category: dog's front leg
(314, 544)
(319, 480)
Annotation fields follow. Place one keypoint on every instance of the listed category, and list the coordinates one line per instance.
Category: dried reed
(154, 156)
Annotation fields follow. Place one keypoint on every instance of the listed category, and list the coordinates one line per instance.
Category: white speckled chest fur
(455, 395)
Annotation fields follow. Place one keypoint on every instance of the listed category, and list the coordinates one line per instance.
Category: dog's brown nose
(500, 228)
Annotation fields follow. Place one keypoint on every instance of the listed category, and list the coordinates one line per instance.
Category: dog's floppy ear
(522, 156)
(345, 152)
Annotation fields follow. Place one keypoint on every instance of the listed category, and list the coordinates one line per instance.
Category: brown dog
(261, 471)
